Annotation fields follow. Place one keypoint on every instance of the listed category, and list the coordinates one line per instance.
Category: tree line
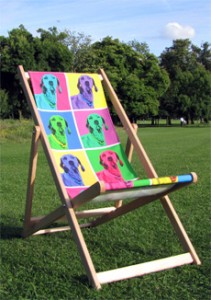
(178, 83)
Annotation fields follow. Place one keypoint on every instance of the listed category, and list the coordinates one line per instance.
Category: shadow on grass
(9, 232)
(82, 279)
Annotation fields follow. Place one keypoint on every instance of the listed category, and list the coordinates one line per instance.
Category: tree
(136, 77)
(4, 109)
(203, 55)
(142, 48)
(48, 52)
(189, 92)
(79, 45)
(16, 49)
(52, 52)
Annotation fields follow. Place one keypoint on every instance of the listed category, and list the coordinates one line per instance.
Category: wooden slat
(52, 230)
(89, 194)
(144, 268)
(45, 221)
(31, 178)
(58, 229)
(81, 214)
(82, 247)
(129, 146)
(94, 212)
(129, 152)
(179, 228)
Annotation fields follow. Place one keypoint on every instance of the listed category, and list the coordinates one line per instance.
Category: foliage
(203, 55)
(134, 74)
(190, 89)
(178, 84)
(4, 109)
(51, 52)
(79, 45)
(139, 47)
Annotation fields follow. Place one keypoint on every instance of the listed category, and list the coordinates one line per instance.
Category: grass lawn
(48, 266)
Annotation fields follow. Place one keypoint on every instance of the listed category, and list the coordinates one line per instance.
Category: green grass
(48, 266)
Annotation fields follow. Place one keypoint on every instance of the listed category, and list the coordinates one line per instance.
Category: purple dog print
(85, 97)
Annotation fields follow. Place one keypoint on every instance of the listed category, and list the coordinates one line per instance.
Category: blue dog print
(71, 175)
(48, 98)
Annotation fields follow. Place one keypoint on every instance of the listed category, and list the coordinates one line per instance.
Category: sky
(155, 22)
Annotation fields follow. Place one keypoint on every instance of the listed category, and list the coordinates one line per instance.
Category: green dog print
(95, 137)
(58, 126)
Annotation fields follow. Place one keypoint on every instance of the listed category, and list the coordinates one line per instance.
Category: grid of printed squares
(77, 132)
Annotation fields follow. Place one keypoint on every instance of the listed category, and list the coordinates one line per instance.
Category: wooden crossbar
(58, 229)
(144, 268)
(87, 213)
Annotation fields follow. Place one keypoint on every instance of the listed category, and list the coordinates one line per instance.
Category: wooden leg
(129, 152)
(31, 178)
(178, 227)
(82, 248)
(129, 146)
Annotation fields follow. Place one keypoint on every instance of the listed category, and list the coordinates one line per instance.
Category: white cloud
(175, 31)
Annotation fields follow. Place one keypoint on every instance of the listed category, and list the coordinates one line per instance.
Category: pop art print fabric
(81, 133)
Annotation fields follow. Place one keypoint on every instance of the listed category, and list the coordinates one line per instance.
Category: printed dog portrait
(85, 97)
(48, 98)
(58, 126)
(95, 138)
(71, 176)
(111, 174)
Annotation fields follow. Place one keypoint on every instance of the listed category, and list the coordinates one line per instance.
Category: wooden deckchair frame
(37, 225)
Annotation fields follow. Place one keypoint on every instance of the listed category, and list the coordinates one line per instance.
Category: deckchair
(89, 164)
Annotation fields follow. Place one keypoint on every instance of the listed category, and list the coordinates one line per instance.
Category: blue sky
(156, 22)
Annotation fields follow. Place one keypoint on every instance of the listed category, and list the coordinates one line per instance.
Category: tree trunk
(168, 121)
